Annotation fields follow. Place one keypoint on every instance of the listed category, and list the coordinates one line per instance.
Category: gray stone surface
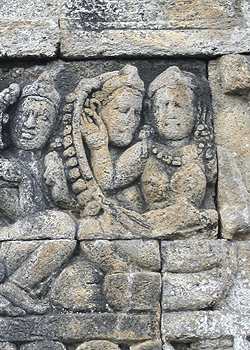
(230, 84)
(7, 346)
(79, 288)
(117, 28)
(98, 345)
(112, 28)
(133, 292)
(196, 255)
(29, 29)
(129, 14)
(123, 256)
(188, 325)
(43, 345)
(148, 345)
(28, 38)
(170, 43)
(196, 274)
(239, 294)
(118, 327)
(214, 344)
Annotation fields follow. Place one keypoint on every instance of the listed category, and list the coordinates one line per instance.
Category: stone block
(190, 326)
(29, 29)
(81, 327)
(132, 15)
(153, 28)
(134, 43)
(229, 79)
(43, 225)
(239, 293)
(79, 288)
(195, 255)
(192, 291)
(197, 274)
(133, 292)
(123, 256)
(226, 343)
(235, 76)
(28, 38)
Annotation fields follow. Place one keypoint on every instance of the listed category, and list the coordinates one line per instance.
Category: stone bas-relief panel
(107, 179)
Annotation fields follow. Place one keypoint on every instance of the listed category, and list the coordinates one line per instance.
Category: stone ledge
(79, 327)
(76, 43)
(203, 324)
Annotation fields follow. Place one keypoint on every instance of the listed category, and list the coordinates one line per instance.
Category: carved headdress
(171, 76)
(110, 82)
(43, 87)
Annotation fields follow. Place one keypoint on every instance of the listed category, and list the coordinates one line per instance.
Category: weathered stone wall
(124, 175)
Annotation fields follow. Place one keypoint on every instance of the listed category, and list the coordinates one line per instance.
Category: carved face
(173, 112)
(32, 123)
(122, 116)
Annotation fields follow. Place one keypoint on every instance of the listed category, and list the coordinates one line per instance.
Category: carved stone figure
(36, 238)
(181, 159)
(169, 169)
(108, 224)
(109, 120)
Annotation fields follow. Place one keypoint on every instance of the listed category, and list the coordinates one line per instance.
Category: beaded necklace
(167, 158)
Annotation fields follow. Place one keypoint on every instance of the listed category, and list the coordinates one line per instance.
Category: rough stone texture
(78, 288)
(148, 345)
(108, 222)
(230, 84)
(35, 38)
(187, 326)
(7, 346)
(197, 274)
(43, 345)
(238, 296)
(171, 43)
(98, 345)
(129, 14)
(138, 291)
(123, 256)
(108, 326)
(214, 344)
(112, 28)
(86, 29)
(29, 29)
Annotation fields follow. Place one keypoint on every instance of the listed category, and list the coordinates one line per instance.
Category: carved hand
(55, 178)
(9, 173)
(93, 129)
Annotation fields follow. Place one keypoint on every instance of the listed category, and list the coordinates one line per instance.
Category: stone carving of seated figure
(173, 166)
(35, 238)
